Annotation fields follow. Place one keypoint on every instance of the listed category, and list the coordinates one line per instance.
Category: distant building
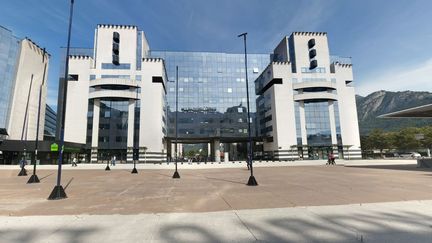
(23, 78)
(23, 82)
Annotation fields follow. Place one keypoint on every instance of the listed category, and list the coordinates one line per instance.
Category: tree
(406, 139)
(377, 139)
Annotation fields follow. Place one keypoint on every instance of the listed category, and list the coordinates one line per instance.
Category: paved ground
(154, 191)
(383, 222)
(364, 202)
(212, 165)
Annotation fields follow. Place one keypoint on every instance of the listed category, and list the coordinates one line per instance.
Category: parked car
(411, 155)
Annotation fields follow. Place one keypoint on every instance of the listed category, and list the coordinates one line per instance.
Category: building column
(131, 129)
(216, 150)
(303, 129)
(169, 149)
(209, 150)
(333, 128)
(227, 150)
(95, 131)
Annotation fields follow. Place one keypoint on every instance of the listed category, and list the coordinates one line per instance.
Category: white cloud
(415, 78)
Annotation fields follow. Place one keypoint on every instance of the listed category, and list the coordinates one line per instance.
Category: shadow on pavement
(391, 167)
(46, 176)
(69, 182)
(225, 180)
(26, 235)
(187, 233)
(370, 226)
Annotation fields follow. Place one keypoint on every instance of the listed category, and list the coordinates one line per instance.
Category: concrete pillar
(216, 150)
(95, 131)
(169, 149)
(226, 156)
(332, 122)
(234, 151)
(130, 134)
(227, 149)
(303, 129)
(303, 123)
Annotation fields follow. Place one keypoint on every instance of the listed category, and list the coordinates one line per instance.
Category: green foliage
(402, 140)
(369, 108)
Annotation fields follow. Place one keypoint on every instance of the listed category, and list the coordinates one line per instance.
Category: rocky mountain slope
(381, 102)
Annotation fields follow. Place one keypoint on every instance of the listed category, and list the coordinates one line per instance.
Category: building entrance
(105, 155)
(319, 152)
(213, 151)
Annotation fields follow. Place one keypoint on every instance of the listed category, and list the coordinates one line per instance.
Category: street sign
(54, 147)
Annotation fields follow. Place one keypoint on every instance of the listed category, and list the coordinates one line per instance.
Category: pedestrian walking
(332, 158)
(248, 162)
(113, 161)
(22, 163)
(74, 162)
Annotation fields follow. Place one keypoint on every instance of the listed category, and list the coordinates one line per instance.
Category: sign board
(419, 136)
(54, 147)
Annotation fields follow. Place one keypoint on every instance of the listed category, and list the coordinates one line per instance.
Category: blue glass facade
(9, 51)
(317, 123)
(50, 122)
(212, 92)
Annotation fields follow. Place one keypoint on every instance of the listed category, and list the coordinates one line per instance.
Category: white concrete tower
(307, 102)
(106, 92)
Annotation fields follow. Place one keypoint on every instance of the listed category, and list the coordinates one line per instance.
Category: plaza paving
(362, 201)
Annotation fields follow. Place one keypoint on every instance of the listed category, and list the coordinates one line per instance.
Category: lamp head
(244, 34)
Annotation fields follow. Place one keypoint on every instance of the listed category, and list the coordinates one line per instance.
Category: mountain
(382, 102)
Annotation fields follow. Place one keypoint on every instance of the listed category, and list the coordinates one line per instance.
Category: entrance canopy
(424, 111)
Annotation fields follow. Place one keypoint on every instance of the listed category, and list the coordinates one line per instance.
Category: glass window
(112, 66)
(115, 76)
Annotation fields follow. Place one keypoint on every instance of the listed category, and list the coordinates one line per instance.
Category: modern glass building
(302, 101)
(212, 97)
(9, 52)
(23, 78)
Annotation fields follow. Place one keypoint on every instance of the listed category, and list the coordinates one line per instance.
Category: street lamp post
(107, 168)
(136, 148)
(176, 175)
(34, 178)
(58, 192)
(251, 181)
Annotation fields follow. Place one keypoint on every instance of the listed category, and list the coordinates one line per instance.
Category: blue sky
(389, 41)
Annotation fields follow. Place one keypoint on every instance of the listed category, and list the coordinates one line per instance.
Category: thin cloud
(415, 78)
(308, 16)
